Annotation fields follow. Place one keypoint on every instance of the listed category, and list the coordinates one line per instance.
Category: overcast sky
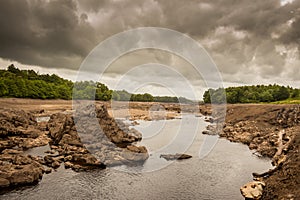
(251, 42)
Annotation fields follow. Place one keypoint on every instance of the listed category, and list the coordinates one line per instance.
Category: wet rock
(70, 140)
(135, 154)
(22, 159)
(68, 164)
(114, 162)
(208, 132)
(55, 164)
(213, 129)
(47, 170)
(68, 158)
(15, 122)
(134, 123)
(48, 159)
(53, 147)
(84, 159)
(4, 182)
(175, 156)
(29, 174)
(18, 170)
(58, 126)
(112, 139)
(19, 128)
(11, 151)
(50, 151)
(102, 139)
(209, 119)
(136, 149)
(253, 190)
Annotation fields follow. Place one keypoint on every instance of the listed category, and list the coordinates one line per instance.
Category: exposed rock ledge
(112, 144)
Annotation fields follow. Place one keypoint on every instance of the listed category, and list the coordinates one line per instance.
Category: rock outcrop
(17, 169)
(19, 129)
(91, 132)
(261, 132)
(90, 139)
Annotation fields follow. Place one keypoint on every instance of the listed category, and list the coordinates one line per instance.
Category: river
(218, 175)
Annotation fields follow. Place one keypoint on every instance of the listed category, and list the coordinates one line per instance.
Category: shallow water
(218, 175)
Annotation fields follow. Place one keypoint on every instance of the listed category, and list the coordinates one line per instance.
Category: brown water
(219, 175)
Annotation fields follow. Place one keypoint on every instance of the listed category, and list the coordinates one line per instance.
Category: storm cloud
(250, 41)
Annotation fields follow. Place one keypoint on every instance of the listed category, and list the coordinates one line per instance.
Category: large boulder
(58, 125)
(93, 138)
(93, 119)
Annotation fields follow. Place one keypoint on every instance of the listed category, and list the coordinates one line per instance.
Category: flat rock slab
(176, 156)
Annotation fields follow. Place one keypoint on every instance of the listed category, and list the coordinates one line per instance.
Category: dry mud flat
(129, 110)
(272, 131)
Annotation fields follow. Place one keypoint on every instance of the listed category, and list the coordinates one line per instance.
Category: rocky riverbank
(71, 141)
(271, 131)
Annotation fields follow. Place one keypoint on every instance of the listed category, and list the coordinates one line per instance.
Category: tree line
(30, 84)
(250, 94)
(123, 95)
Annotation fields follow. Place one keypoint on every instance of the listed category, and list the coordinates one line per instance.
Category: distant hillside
(252, 94)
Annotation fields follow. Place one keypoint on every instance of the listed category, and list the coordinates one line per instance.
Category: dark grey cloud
(258, 38)
(46, 33)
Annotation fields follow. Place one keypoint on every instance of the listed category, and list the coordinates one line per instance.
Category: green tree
(115, 96)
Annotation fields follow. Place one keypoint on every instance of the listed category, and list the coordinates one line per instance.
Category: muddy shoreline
(258, 126)
(269, 131)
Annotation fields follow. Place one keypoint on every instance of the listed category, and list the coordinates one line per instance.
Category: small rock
(253, 190)
(175, 156)
(4, 182)
(53, 147)
(47, 170)
(68, 165)
(208, 132)
(134, 123)
(55, 164)
(11, 151)
(50, 151)
(68, 158)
